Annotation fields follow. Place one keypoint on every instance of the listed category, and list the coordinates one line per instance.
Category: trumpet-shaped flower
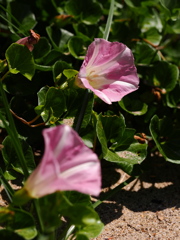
(108, 70)
(67, 164)
(29, 41)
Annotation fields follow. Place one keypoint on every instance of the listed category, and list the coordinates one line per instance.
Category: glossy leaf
(75, 46)
(89, 232)
(58, 37)
(145, 54)
(3, 65)
(55, 100)
(58, 69)
(11, 158)
(113, 126)
(166, 139)
(21, 62)
(173, 97)
(42, 48)
(126, 152)
(20, 221)
(133, 106)
(89, 12)
(22, 15)
(167, 77)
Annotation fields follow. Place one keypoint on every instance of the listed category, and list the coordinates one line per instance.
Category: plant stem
(7, 187)
(68, 232)
(109, 21)
(38, 213)
(113, 191)
(86, 97)
(82, 111)
(11, 129)
(10, 23)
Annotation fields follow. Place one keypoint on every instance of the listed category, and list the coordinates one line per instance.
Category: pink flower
(67, 164)
(108, 70)
(29, 41)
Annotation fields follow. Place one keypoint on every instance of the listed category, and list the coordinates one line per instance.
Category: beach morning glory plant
(67, 164)
(108, 70)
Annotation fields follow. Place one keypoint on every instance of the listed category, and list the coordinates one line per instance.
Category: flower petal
(67, 164)
(108, 70)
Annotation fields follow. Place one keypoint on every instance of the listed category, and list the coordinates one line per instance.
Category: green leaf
(113, 126)
(20, 221)
(173, 97)
(58, 37)
(51, 103)
(153, 36)
(165, 75)
(145, 54)
(53, 56)
(70, 73)
(18, 85)
(81, 236)
(129, 3)
(3, 65)
(75, 46)
(126, 151)
(165, 8)
(55, 202)
(42, 48)
(88, 112)
(42, 95)
(87, 11)
(166, 138)
(20, 60)
(90, 232)
(58, 71)
(41, 102)
(23, 18)
(152, 21)
(171, 5)
(55, 100)
(126, 159)
(11, 158)
(80, 214)
(77, 197)
(28, 233)
(133, 106)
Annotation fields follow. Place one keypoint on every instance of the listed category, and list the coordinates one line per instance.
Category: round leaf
(166, 139)
(75, 46)
(20, 60)
(133, 106)
(42, 48)
(165, 75)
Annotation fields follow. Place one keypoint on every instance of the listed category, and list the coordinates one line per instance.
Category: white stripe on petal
(95, 52)
(77, 169)
(62, 141)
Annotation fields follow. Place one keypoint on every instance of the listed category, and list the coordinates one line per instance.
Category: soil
(147, 208)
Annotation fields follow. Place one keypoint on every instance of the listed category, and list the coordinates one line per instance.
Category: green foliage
(168, 145)
(19, 221)
(118, 143)
(11, 158)
(21, 62)
(124, 133)
(89, 12)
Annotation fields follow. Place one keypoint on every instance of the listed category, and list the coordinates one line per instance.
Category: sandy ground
(147, 208)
